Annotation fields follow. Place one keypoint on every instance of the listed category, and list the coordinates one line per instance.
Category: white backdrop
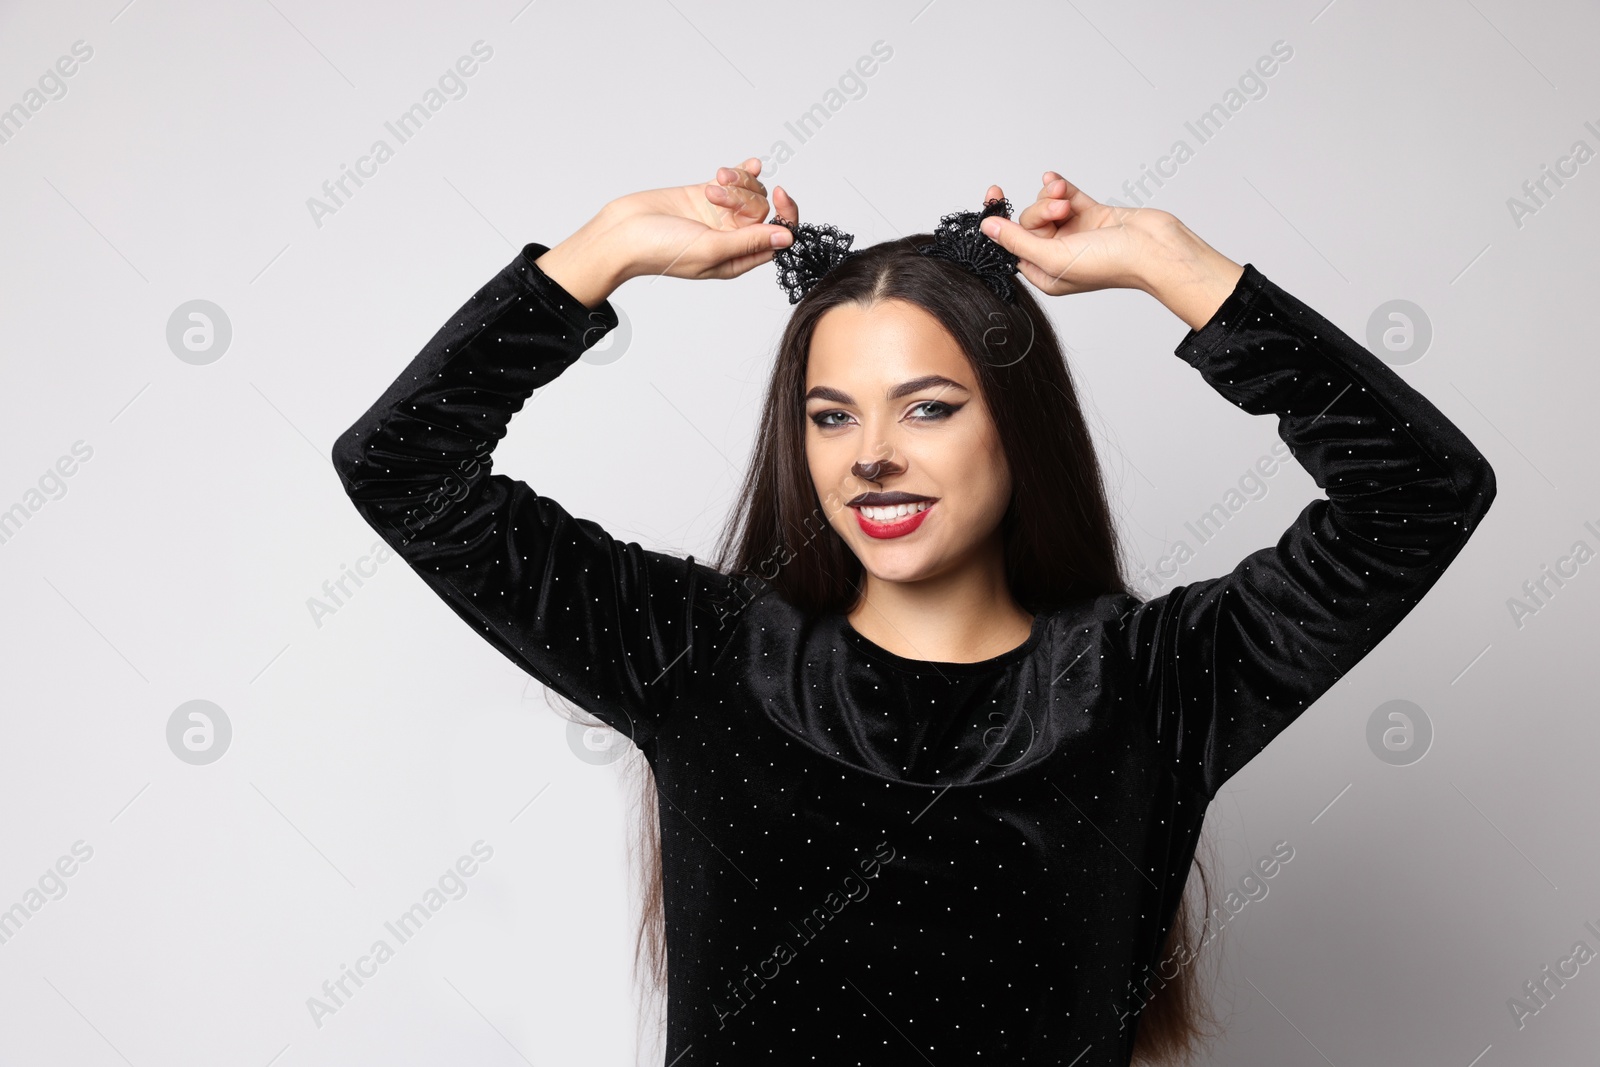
(374, 741)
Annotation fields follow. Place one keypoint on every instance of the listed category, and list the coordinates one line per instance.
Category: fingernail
(778, 238)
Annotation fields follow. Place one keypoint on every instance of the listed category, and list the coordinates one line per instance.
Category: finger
(994, 193)
(733, 180)
(737, 201)
(1013, 237)
(724, 198)
(741, 176)
(744, 247)
(738, 265)
(1043, 212)
(758, 191)
(784, 205)
(1058, 201)
(1061, 189)
(1042, 280)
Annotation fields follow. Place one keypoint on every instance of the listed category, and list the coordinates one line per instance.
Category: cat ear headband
(818, 248)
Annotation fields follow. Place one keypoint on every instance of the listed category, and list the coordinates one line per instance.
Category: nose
(875, 471)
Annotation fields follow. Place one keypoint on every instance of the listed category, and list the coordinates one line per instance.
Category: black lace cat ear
(816, 249)
(958, 239)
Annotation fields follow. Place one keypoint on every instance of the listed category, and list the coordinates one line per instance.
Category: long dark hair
(1059, 538)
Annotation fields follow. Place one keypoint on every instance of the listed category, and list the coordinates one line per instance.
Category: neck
(960, 617)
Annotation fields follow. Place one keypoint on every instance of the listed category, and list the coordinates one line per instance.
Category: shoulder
(1119, 624)
(745, 611)
(725, 597)
(1102, 612)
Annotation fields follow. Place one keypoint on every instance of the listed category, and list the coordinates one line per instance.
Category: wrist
(587, 263)
(1189, 277)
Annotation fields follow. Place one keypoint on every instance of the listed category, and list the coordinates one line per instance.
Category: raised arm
(617, 629)
(1225, 665)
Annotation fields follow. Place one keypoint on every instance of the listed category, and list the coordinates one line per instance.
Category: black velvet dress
(870, 859)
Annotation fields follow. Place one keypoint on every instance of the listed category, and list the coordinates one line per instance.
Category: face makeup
(895, 527)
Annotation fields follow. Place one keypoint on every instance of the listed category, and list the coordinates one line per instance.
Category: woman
(930, 777)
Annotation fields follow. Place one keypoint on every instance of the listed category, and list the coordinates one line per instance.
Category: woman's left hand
(1068, 242)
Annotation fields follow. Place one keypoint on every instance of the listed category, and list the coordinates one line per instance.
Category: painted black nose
(871, 472)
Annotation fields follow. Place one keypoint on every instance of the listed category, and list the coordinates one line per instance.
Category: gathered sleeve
(617, 629)
(1224, 665)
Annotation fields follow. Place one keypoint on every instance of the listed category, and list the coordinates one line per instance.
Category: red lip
(897, 528)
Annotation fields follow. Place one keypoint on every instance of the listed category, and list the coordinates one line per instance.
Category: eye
(938, 408)
(821, 419)
(935, 410)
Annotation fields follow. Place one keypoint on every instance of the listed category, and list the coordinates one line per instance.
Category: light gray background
(369, 752)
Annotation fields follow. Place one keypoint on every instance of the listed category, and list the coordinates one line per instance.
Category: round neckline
(1041, 621)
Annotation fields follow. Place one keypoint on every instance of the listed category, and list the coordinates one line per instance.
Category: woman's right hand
(707, 230)
(711, 230)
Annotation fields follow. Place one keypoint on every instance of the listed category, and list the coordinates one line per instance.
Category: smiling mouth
(890, 512)
(889, 521)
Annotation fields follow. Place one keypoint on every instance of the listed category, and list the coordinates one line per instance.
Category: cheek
(979, 454)
(820, 465)
(997, 488)
(985, 464)
(829, 470)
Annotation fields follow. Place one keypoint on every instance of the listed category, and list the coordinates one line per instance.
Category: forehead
(885, 344)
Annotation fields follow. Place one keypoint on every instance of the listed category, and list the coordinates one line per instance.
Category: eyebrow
(915, 385)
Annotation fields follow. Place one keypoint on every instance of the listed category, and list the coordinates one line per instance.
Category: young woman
(930, 777)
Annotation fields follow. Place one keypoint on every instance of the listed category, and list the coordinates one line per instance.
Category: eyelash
(944, 411)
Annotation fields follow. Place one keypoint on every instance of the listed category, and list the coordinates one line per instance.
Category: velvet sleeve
(609, 625)
(1225, 665)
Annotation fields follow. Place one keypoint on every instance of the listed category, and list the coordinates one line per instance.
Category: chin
(897, 566)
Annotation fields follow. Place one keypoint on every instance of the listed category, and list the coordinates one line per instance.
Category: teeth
(897, 511)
